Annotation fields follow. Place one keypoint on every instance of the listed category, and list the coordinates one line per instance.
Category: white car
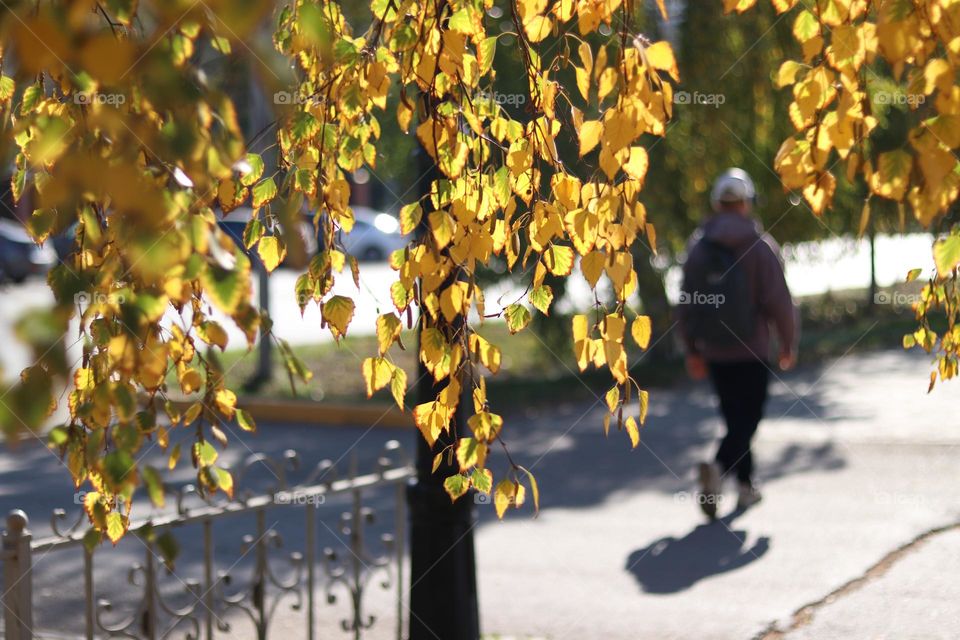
(375, 235)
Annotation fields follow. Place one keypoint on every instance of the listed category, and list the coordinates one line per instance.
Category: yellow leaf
(590, 134)
(272, 252)
(558, 260)
(583, 345)
(388, 331)
(533, 489)
(488, 353)
(644, 405)
(410, 216)
(608, 82)
(456, 486)
(613, 398)
(116, 526)
(538, 28)
(641, 329)
(892, 175)
(377, 373)
(226, 402)
(337, 312)
(471, 452)
(503, 496)
(633, 431)
(453, 300)
(591, 265)
(441, 227)
(398, 386)
(787, 74)
(583, 82)
(636, 166)
(660, 56)
(819, 193)
(436, 353)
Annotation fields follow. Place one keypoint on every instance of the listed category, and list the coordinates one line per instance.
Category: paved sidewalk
(917, 597)
(856, 460)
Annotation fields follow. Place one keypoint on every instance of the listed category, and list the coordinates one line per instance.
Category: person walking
(734, 291)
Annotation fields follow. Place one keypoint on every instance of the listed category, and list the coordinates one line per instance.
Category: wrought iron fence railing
(212, 606)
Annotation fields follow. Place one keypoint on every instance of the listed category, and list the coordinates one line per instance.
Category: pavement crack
(805, 614)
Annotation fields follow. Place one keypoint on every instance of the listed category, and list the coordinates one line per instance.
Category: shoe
(709, 489)
(749, 496)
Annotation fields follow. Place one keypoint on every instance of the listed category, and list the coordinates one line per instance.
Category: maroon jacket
(759, 255)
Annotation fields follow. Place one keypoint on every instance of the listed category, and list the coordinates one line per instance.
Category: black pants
(742, 388)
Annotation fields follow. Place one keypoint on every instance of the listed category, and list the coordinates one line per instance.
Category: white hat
(733, 185)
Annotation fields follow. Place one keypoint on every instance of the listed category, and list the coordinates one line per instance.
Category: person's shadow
(670, 565)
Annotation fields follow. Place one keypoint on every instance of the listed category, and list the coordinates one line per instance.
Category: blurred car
(234, 223)
(20, 256)
(375, 235)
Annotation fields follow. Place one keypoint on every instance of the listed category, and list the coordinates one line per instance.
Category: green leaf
(168, 547)
(41, 224)
(92, 539)
(224, 481)
(470, 452)
(314, 24)
(946, 253)
(245, 420)
(31, 97)
(541, 297)
(410, 216)
(482, 480)
(7, 88)
(518, 317)
(913, 274)
(263, 192)
(485, 54)
(227, 287)
(204, 453)
(534, 489)
(252, 232)
(116, 526)
(256, 169)
(154, 484)
(456, 486)
(119, 469)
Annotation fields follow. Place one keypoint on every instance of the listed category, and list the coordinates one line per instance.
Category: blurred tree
(876, 101)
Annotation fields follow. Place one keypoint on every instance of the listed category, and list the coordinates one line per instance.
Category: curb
(325, 414)
(319, 414)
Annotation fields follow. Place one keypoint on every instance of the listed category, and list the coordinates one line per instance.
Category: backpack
(720, 310)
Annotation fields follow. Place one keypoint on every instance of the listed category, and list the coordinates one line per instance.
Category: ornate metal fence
(212, 609)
